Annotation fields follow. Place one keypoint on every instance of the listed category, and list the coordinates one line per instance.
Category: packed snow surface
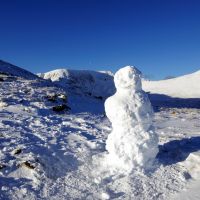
(186, 86)
(46, 154)
(132, 142)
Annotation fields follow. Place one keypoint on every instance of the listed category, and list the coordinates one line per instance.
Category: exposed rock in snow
(132, 142)
(91, 83)
(13, 70)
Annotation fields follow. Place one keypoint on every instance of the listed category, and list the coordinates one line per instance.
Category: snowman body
(132, 142)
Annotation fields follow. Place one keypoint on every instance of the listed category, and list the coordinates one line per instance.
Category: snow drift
(91, 83)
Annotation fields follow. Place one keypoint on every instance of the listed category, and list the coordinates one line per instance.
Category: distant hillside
(13, 70)
(91, 83)
(187, 86)
(100, 84)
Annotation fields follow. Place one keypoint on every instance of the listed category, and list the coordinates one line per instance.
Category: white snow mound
(132, 142)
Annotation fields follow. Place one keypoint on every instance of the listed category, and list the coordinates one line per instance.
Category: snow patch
(192, 163)
(105, 196)
(24, 172)
(3, 104)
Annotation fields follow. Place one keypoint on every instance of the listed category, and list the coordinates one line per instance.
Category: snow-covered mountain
(187, 86)
(92, 83)
(13, 70)
(100, 84)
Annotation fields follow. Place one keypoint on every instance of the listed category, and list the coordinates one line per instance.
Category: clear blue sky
(160, 37)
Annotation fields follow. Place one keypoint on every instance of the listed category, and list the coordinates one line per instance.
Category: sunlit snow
(54, 136)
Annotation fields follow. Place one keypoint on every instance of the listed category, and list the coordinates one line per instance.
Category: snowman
(132, 143)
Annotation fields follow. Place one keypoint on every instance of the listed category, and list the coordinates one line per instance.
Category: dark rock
(57, 97)
(27, 164)
(99, 97)
(61, 108)
(52, 98)
(2, 166)
(17, 151)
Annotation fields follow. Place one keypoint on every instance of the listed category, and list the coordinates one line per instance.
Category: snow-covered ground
(48, 154)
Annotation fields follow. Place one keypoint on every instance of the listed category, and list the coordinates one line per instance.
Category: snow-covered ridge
(92, 83)
(100, 84)
(13, 70)
(186, 86)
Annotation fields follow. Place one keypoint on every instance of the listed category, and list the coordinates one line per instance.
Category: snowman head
(128, 78)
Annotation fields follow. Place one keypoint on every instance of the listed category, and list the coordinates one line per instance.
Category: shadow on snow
(161, 100)
(176, 151)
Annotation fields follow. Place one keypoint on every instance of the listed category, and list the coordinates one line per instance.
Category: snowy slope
(15, 71)
(186, 86)
(50, 155)
(92, 83)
